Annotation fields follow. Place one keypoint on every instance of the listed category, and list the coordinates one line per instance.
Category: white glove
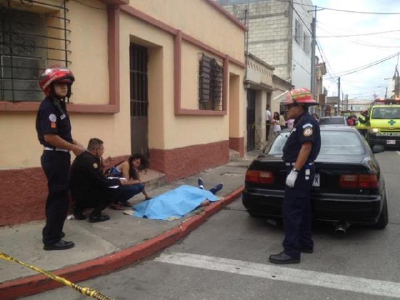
(291, 178)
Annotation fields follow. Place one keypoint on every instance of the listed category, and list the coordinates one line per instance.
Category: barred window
(298, 32)
(210, 83)
(33, 36)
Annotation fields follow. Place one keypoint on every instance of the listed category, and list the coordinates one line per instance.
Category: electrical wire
(360, 34)
(348, 72)
(307, 26)
(349, 11)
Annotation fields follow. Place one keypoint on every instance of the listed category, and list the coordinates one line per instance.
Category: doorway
(138, 59)
(251, 119)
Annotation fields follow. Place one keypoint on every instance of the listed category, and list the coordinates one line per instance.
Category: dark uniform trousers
(297, 213)
(56, 165)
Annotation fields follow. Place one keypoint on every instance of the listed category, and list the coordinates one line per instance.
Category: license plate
(391, 142)
(316, 182)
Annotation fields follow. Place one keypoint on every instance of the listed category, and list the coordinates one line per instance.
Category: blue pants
(297, 216)
(126, 192)
(56, 166)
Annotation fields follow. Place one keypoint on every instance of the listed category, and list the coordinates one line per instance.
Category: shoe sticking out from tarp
(200, 182)
(217, 188)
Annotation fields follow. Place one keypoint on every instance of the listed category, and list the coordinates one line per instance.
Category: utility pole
(338, 93)
(313, 33)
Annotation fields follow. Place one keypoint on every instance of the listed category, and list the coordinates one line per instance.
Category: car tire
(384, 216)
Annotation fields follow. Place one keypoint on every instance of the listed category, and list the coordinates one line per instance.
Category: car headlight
(375, 130)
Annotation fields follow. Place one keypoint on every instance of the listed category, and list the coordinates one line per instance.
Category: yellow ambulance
(384, 123)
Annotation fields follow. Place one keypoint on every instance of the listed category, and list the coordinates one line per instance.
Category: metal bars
(33, 36)
(210, 84)
(139, 80)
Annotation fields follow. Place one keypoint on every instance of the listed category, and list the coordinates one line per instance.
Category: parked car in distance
(334, 120)
(348, 187)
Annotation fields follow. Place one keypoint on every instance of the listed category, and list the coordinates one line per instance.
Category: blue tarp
(173, 204)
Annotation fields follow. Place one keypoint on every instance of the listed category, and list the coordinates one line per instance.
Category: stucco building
(164, 78)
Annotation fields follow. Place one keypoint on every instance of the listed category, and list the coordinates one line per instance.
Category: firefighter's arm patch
(308, 131)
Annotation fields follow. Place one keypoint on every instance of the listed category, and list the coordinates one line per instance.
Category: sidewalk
(103, 247)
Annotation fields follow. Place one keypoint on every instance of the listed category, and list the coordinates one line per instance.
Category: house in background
(279, 34)
(164, 78)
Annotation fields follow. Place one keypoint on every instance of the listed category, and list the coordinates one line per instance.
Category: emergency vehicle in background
(384, 123)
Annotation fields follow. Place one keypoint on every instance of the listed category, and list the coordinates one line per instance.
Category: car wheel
(383, 218)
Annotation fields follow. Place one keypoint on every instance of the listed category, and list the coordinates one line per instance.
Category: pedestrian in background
(300, 151)
(276, 127)
(282, 121)
(54, 133)
(268, 118)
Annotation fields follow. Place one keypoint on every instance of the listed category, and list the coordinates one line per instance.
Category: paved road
(226, 258)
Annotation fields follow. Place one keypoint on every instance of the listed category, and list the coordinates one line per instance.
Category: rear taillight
(359, 181)
(263, 177)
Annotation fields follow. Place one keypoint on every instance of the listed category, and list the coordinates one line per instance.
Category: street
(227, 258)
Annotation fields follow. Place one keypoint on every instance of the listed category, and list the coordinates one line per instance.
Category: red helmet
(55, 74)
(300, 96)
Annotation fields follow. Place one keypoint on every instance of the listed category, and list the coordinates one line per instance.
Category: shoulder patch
(95, 165)
(52, 117)
(307, 131)
(307, 125)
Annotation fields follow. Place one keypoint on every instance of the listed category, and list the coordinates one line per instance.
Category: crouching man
(89, 186)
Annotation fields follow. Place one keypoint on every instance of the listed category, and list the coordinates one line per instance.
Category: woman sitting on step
(129, 169)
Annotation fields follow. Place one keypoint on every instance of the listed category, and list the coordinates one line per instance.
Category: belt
(293, 163)
(55, 149)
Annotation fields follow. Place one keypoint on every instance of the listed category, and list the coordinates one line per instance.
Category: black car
(348, 188)
(335, 120)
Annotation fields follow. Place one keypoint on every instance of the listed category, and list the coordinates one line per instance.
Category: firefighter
(300, 151)
(363, 120)
(54, 133)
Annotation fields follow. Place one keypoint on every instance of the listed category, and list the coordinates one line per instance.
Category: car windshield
(386, 113)
(332, 143)
(336, 121)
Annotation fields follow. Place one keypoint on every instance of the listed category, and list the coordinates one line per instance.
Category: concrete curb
(39, 283)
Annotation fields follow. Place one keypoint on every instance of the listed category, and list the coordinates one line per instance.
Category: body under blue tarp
(173, 204)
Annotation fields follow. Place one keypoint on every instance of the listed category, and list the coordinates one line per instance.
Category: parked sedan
(335, 120)
(348, 187)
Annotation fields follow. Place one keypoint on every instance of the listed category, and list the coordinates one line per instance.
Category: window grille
(298, 32)
(33, 36)
(210, 83)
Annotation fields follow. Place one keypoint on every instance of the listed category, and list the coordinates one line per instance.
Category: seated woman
(129, 169)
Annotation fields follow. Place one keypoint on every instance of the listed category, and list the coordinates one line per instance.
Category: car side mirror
(378, 148)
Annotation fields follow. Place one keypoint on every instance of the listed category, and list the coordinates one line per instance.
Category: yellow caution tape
(83, 290)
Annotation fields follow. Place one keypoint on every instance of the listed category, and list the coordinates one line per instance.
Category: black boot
(283, 258)
(98, 218)
(78, 214)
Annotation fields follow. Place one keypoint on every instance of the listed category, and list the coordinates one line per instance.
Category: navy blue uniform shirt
(306, 128)
(52, 118)
(87, 175)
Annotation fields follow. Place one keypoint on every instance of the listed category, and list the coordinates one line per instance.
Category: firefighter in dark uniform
(54, 133)
(299, 153)
(90, 188)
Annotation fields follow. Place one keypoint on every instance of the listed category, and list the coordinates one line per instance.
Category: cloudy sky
(350, 41)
